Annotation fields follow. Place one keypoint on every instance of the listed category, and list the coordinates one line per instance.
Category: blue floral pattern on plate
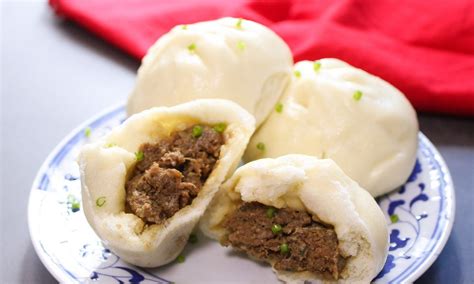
(420, 216)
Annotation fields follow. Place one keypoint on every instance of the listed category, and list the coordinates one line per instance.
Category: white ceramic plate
(420, 216)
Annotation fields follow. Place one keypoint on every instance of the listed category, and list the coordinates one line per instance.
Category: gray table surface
(54, 75)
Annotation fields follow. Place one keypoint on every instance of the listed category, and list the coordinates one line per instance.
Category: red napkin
(424, 48)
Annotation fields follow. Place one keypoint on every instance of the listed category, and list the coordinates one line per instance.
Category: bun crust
(246, 63)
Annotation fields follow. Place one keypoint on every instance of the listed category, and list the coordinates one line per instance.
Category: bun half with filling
(302, 215)
(146, 184)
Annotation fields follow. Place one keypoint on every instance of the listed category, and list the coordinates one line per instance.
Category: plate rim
(451, 214)
(61, 275)
(55, 271)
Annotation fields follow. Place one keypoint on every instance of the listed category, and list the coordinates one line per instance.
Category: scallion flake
(238, 25)
(271, 212)
(75, 206)
(284, 249)
(197, 131)
(180, 258)
(241, 45)
(316, 66)
(87, 132)
(276, 229)
(139, 156)
(220, 127)
(394, 218)
(100, 201)
(279, 107)
(192, 48)
(261, 146)
(357, 95)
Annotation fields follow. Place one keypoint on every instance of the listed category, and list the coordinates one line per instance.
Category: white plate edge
(48, 263)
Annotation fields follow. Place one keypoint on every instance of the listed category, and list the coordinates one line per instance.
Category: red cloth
(424, 48)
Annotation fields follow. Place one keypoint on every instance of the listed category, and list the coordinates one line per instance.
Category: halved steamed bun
(334, 110)
(146, 184)
(229, 58)
(298, 211)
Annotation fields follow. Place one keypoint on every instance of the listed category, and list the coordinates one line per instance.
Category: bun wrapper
(321, 188)
(105, 171)
(334, 110)
(228, 58)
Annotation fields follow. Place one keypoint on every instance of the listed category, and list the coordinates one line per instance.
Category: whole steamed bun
(228, 58)
(334, 110)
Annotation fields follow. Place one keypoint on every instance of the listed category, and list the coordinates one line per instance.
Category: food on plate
(334, 110)
(146, 184)
(228, 58)
(302, 215)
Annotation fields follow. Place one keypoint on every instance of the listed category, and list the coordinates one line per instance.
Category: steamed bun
(106, 165)
(319, 187)
(334, 110)
(229, 58)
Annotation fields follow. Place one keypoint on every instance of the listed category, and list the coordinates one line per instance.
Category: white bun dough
(373, 139)
(320, 188)
(232, 59)
(104, 171)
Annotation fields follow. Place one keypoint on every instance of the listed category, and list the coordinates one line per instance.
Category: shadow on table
(448, 260)
(33, 269)
(448, 131)
(92, 42)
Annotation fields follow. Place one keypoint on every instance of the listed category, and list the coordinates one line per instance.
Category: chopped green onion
(284, 249)
(180, 258)
(75, 206)
(316, 66)
(197, 131)
(100, 201)
(276, 229)
(192, 48)
(184, 27)
(357, 95)
(220, 127)
(279, 107)
(241, 45)
(271, 212)
(193, 239)
(297, 73)
(139, 156)
(87, 132)
(394, 218)
(110, 145)
(261, 146)
(238, 25)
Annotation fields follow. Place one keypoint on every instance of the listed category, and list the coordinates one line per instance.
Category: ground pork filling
(290, 238)
(170, 173)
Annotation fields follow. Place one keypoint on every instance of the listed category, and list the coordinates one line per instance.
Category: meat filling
(172, 172)
(290, 238)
